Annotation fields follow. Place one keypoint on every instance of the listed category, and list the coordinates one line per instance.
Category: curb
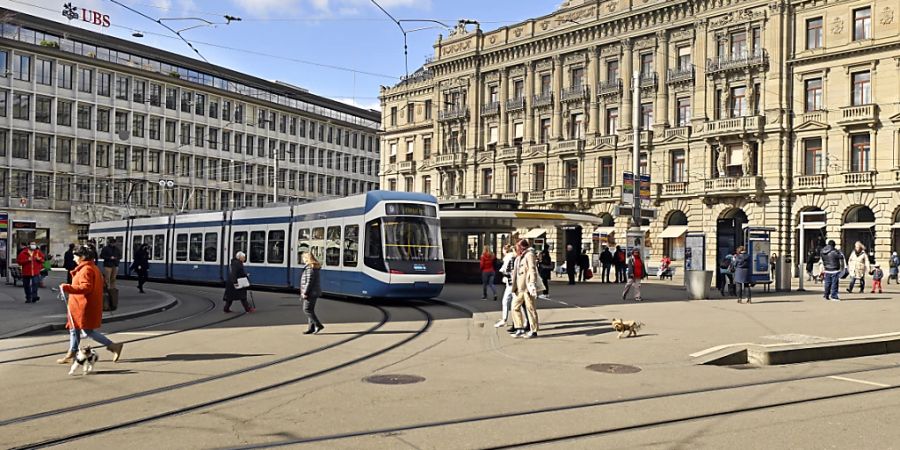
(170, 302)
(781, 354)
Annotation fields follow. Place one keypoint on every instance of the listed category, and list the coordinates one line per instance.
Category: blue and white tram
(376, 245)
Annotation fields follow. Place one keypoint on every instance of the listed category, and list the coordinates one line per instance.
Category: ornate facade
(756, 110)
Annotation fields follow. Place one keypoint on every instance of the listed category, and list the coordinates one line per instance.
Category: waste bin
(698, 283)
(783, 275)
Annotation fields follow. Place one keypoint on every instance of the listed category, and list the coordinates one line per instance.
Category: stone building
(750, 112)
(98, 128)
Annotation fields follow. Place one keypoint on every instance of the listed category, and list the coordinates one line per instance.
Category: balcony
(859, 179)
(680, 75)
(737, 63)
(461, 112)
(406, 166)
(609, 88)
(515, 104)
(811, 182)
(449, 159)
(563, 195)
(536, 197)
(673, 189)
(538, 149)
(628, 138)
(732, 185)
(607, 141)
(649, 81)
(737, 125)
(677, 133)
(605, 194)
(490, 109)
(509, 153)
(575, 94)
(569, 147)
(858, 115)
(517, 196)
(814, 116)
(542, 100)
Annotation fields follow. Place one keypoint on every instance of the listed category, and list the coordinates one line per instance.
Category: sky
(341, 49)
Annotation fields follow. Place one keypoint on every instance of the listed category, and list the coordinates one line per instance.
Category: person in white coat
(858, 266)
(506, 268)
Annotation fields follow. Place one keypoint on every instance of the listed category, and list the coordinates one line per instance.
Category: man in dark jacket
(69, 263)
(111, 255)
(584, 263)
(233, 292)
(619, 262)
(606, 259)
(571, 262)
(141, 265)
(833, 262)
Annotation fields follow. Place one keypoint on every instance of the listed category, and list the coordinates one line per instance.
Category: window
(612, 70)
(226, 110)
(351, 245)
(155, 123)
(137, 160)
(226, 141)
(83, 154)
(679, 169)
(196, 248)
(140, 91)
(153, 161)
(63, 113)
(393, 116)
(66, 76)
(63, 188)
(393, 152)
(257, 247)
(862, 24)
(813, 157)
(20, 145)
(646, 115)
(813, 94)
(210, 247)
(683, 112)
(859, 153)
(181, 247)
(862, 88)
(606, 171)
(426, 148)
(158, 243)
(120, 158)
(738, 101)
(757, 40)
(170, 131)
(4, 101)
(104, 83)
(122, 87)
(213, 109)
(518, 89)
(643, 164)
(646, 64)
(22, 67)
(4, 63)
(64, 151)
(302, 243)
(200, 104)
(546, 85)
(512, 179)
(84, 116)
(374, 255)
(185, 134)
(684, 58)
(42, 147)
(571, 174)
(171, 98)
(545, 130)
(213, 138)
(426, 185)
(493, 93)
(43, 72)
(317, 243)
(22, 106)
(428, 108)
(410, 148)
(410, 113)
(578, 77)
(186, 101)
(43, 108)
(612, 121)
(814, 33)
(487, 181)
(333, 247)
(739, 45)
(138, 124)
(239, 242)
(155, 94)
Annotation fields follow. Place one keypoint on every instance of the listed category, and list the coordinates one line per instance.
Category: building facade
(750, 112)
(98, 128)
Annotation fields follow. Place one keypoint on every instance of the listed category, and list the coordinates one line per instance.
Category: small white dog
(86, 358)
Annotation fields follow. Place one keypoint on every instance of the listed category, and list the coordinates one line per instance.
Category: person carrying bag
(238, 284)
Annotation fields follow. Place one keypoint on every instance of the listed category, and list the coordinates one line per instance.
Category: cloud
(369, 104)
(328, 8)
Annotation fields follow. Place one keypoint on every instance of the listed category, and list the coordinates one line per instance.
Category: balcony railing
(859, 179)
(454, 113)
(673, 189)
(575, 93)
(449, 159)
(509, 153)
(814, 116)
(628, 137)
(609, 141)
(542, 100)
(605, 193)
(678, 132)
(648, 81)
(612, 87)
(536, 197)
(858, 114)
(406, 166)
(539, 149)
(510, 196)
(812, 182)
(568, 147)
(563, 195)
(732, 185)
(515, 104)
(737, 62)
(748, 124)
(680, 75)
(490, 109)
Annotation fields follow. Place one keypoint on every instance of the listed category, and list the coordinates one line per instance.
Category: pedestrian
(811, 260)
(636, 272)
(619, 261)
(893, 268)
(858, 266)
(487, 273)
(141, 265)
(46, 267)
(726, 274)
(833, 264)
(773, 264)
(111, 256)
(741, 263)
(584, 265)
(571, 262)
(85, 305)
(69, 262)
(606, 259)
(877, 275)
(525, 287)
(310, 291)
(506, 269)
(664, 266)
(31, 260)
(545, 268)
(233, 290)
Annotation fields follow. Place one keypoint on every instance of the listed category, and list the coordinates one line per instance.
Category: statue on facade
(721, 160)
(449, 146)
(748, 159)
(751, 98)
(459, 30)
(445, 185)
(462, 140)
(459, 184)
(726, 103)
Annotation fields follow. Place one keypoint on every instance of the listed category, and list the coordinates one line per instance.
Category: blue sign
(759, 246)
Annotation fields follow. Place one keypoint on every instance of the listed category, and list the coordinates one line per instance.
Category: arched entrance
(859, 225)
(895, 233)
(673, 235)
(729, 232)
(604, 234)
(811, 223)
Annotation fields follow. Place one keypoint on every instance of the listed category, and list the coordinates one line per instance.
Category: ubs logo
(72, 12)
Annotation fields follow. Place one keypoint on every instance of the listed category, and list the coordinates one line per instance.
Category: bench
(654, 271)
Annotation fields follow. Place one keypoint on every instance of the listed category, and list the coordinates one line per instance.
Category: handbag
(845, 273)
(242, 283)
(588, 274)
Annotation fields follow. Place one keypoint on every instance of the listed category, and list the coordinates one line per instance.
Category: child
(877, 275)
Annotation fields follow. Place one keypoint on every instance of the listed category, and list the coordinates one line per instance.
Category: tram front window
(412, 239)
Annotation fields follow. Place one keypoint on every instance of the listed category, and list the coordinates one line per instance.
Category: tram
(376, 245)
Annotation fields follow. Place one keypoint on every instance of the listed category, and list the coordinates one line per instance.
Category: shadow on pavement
(197, 357)
(113, 372)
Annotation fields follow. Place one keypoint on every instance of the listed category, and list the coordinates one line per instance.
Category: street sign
(628, 188)
(645, 189)
(626, 211)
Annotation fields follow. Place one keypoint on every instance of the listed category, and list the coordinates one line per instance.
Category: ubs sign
(86, 15)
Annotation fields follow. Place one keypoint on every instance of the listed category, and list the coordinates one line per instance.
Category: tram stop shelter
(468, 225)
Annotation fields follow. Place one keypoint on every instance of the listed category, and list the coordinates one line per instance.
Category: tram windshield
(412, 239)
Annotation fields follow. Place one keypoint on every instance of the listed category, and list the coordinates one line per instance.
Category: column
(529, 100)
(474, 139)
(557, 126)
(502, 97)
(625, 112)
(662, 69)
(593, 79)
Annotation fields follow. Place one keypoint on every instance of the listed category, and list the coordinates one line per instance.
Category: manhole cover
(394, 379)
(613, 368)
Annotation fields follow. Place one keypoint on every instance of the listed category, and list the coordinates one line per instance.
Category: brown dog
(626, 328)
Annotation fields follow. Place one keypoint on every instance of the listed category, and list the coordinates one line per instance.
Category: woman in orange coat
(85, 304)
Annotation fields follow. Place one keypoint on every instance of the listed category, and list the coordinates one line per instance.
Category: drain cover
(394, 379)
(613, 368)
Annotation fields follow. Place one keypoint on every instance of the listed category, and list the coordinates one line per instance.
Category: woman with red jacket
(487, 273)
(85, 304)
(32, 262)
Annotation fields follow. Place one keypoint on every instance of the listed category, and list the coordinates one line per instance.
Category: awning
(534, 233)
(858, 226)
(604, 230)
(673, 232)
(811, 225)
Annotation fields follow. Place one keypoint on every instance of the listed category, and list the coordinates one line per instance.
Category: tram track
(428, 321)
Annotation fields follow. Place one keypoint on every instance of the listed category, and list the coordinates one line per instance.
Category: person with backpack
(726, 274)
(893, 268)
(619, 261)
(584, 267)
(487, 273)
(833, 262)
